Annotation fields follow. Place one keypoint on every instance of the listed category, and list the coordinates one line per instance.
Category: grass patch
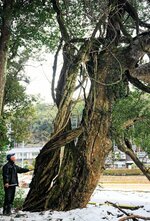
(122, 172)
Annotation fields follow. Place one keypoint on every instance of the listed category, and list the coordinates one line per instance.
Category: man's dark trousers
(9, 198)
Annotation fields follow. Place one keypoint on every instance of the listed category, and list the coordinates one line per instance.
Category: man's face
(13, 158)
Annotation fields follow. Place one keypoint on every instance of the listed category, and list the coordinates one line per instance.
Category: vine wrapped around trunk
(70, 185)
(65, 180)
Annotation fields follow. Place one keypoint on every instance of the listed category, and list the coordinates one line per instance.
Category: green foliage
(19, 114)
(3, 134)
(78, 108)
(21, 121)
(45, 114)
(15, 95)
(18, 109)
(35, 21)
(4, 141)
(42, 126)
(1, 190)
(34, 26)
(28, 165)
(19, 199)
(131, 118)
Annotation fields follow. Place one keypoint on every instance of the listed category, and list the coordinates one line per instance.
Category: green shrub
(1, 190)
(19, 199)
(122, 172)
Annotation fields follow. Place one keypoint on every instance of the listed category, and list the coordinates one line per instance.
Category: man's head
(11, 157)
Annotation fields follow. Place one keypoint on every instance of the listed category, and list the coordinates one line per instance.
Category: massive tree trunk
(70, 185)
(64, 183)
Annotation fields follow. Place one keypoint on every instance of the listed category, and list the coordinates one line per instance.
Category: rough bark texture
(4, 41)
(64, 183)
(82, 163)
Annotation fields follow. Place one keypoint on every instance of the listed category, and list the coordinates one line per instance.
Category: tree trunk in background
(70, 185)
(4, 42)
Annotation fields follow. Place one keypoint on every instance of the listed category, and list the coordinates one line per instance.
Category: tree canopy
(104, 43)
(131, 117)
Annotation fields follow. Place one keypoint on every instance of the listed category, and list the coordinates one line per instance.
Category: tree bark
(67, 182)
(70, 185)
(4, 42)
(126, 147)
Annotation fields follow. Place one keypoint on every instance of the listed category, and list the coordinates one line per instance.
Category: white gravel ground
(94, 211)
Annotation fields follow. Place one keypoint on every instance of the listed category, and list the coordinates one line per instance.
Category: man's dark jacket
(10, 171)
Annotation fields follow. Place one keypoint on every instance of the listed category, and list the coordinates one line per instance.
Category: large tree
(97, 43)
(23, 25)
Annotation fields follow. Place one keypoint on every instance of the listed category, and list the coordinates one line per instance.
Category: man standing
(10, 179)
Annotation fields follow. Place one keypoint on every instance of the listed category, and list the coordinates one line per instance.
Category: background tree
(43, 123)
(23, 25)
(17, 108)
(131, 117)
(104, 51)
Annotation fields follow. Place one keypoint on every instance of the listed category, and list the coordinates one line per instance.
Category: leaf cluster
(131, 118)
(42, 125)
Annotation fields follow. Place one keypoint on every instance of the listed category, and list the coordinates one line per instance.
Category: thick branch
(137, 83)
(134, 216)
(128, 216)
(54, 71)
(139, 47)
(131, 122)
(118, 207)
(142, 73)
(126, 147)
(60, 20)
(144, 24)
(61, 140)
(69, 87)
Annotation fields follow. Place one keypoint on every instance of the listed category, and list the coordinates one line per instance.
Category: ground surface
(134, 192)
(137, 183)
(97, 210)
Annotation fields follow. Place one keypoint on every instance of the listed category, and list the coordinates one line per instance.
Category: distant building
(115, 159)
(25, 153)
(118, 159)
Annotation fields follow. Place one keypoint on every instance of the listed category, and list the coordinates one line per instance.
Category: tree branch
(142, 73)
(144, 24)
(137, 83)
(138, 48)
(60, 20)
(128, 216)
(131, 122)
(61, 140)
(54, 71)
(118, 207)
(126, 147)
(134, 216)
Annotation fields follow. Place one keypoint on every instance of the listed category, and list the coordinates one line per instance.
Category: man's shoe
(5, 210)
(8, 210)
